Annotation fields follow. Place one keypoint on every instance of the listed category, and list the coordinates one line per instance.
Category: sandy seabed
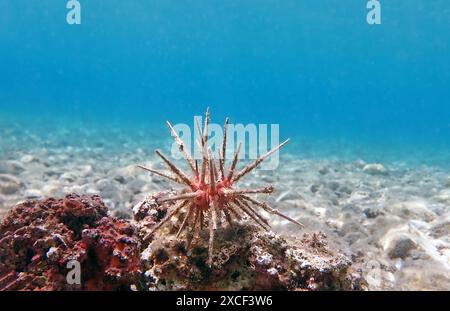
(393, 219)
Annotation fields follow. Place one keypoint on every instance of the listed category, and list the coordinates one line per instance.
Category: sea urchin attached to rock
(211, 194)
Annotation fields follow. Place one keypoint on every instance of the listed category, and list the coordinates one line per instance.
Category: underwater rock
(398, 242)
(443, 197)
(28, 158)
(40, 238)
(375, 169)
(413, 209)
(333, 185)
(400, 247)
(441, 228)
(52, 189)
(33, 194)
(360, 164)
(324, 170)
(314, 188)
(9, 184)
(372, 212)
(245, 257)
(11, 167)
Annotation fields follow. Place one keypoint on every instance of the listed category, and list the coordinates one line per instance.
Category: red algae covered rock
(40, 238)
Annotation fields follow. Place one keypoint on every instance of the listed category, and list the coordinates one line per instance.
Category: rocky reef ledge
(39, 240)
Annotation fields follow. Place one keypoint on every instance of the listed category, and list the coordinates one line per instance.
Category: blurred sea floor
(392, 217)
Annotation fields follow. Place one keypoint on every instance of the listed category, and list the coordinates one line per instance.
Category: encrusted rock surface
(246, 258)
(39, 238)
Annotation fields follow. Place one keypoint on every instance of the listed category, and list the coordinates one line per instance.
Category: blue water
(313, 66)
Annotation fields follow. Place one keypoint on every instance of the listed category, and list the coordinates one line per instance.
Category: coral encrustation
(39, 239)
(245, 257)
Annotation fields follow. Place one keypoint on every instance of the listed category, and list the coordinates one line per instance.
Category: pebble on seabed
(33, 194)
(375, 169)
(9, 184)
(11, 167)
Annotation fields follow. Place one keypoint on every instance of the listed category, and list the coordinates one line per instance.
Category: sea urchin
(212, 192)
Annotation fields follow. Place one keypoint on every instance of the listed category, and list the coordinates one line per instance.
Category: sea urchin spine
(211, 191)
